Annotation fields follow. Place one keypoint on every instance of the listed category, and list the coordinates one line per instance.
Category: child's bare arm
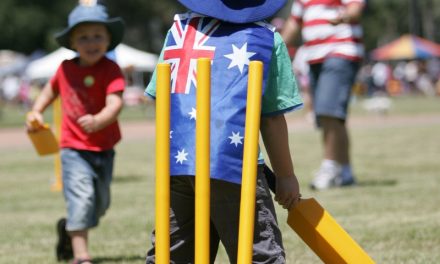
(291, 31)
(44, 99)
(109, 114)
(275, 138)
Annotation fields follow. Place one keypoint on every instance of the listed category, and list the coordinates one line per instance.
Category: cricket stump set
(202, 187)
(308, 219)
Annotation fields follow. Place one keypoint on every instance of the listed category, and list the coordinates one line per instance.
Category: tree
(146, 21)
(386, 20)
(29, 25)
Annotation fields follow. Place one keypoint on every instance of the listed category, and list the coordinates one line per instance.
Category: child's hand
(287, 191)
(341, 18)
(88, 123)
(34, 120)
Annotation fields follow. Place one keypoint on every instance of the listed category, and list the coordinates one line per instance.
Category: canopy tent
(407, 47)
(127, 56)
(11, 62)
(46, 66)
(124, 55)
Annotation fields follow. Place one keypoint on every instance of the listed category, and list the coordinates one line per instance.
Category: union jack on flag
(190, 40)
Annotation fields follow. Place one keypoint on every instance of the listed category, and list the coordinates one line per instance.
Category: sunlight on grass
(392, 213)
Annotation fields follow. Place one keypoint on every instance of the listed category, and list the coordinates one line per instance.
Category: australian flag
(230, 47)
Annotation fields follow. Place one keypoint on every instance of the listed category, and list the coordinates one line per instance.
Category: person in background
(332, 36)
(90, 87)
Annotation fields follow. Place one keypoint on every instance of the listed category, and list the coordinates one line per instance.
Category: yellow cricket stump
(46, 142)
(163, 164)
(202, 188)
(250, 157)
(319, 230)
(57, 186)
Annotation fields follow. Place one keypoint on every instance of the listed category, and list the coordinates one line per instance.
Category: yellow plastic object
(250, 157)
(319, 230)
(57, 185)
(43, 139)
(202, 188)
(162, 203)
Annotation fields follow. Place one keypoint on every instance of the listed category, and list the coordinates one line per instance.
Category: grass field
(393, 213)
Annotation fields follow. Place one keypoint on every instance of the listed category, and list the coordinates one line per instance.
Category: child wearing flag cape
(231, 33)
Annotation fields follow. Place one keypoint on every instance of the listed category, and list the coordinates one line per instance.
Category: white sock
(331, 164)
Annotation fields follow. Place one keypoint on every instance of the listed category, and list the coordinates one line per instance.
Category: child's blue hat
(92, 13)
(235, 11)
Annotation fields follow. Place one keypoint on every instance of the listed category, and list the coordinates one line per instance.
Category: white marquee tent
(125, 56)
(11, 62)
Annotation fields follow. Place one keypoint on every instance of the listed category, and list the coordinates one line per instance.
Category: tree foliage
(386, 20)
(29, 25)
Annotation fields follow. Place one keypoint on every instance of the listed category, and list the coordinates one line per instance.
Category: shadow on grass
(378, 183)
(127, 178)
(117, 259)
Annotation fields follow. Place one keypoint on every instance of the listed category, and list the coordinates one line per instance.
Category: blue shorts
(87, 176)
(331, 84)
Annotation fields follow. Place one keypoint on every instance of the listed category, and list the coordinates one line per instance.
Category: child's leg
(79, 244)
(182, 223)
(225, 207)
(225, 211)
(268, 245)
(80, 171)
(104, 168)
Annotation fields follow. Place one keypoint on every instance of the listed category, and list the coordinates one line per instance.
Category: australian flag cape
(230, 47)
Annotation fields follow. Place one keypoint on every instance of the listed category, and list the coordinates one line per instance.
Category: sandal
(80, 261)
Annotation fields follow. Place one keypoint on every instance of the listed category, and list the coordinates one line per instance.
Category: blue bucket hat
(235, 11)
(92, 14)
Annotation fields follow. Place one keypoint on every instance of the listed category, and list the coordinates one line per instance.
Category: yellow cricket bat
(319, 230)
(43, 139)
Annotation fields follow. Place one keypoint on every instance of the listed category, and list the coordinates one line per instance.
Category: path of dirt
(17, 138)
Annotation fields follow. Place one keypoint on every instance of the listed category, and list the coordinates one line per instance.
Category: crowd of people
(410, 77)
(18, 90)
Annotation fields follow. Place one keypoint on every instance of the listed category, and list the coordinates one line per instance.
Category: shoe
(346, 177)
(345, 181)
(326, 177)
(64, 244)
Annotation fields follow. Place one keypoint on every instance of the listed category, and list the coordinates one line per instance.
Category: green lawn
(14, 115)
(393, 212)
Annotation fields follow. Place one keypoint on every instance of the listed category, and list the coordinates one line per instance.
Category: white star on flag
(239, 57)
(171, 133)
(181, 156)
(192, 114)
(235, 138)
